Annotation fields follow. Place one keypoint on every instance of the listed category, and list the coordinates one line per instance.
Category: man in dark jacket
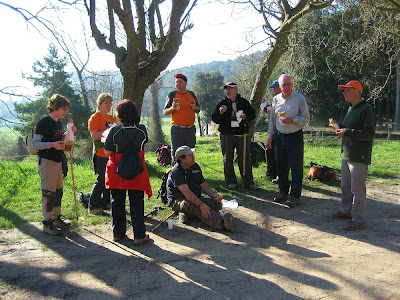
(233, 113)
(357, 134)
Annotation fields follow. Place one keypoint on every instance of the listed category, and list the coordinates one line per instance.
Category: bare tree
(156, 134)
(148, 46)
(279, 17)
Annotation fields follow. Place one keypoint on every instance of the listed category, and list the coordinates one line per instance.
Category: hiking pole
(244, 150)
(163, 221)
(69, 149)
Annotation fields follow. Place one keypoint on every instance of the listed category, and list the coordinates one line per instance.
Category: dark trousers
(182, 137)
(289, 153)
(100, 196)
(271, 162)
(228, 145)
(118, 217)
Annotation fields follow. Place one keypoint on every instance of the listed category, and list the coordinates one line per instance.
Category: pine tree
(50, 74)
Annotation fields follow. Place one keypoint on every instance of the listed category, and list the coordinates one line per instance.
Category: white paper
(233, 204)
(70, 134)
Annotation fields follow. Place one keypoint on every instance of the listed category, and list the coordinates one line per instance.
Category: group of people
(288, 113)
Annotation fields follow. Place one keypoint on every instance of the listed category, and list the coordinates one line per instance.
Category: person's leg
(118, 218)
(227, 147)
(238, 144)
(346, 202)
(137, 213)
(282, 164)
(358, 173)
(296, 158)
(99, 187)
(189, 135)
(48, 172)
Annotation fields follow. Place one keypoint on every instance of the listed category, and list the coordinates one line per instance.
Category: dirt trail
(276, 253)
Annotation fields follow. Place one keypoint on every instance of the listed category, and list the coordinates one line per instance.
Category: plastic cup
(170, 224)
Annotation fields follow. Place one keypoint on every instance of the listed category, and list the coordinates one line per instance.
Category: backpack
(130, 164)
(257, 153)
(84, 198)
(28, 142)
(321, 173)
(162, 192)
(164, 157)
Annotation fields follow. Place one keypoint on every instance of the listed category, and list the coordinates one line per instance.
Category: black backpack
(164, 157)
(130, 164)
(162, 192)
(258, 153)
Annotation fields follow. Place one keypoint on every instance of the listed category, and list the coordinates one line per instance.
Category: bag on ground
(321, 173)
(162, 192)
(257, 152)
(164, 157)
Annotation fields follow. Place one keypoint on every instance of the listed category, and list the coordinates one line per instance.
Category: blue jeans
(118, 217)
(289, 155)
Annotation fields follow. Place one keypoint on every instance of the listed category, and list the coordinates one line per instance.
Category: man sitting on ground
(184, 186)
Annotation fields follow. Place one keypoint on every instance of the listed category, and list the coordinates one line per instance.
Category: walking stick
(69, 149)
(244, 150)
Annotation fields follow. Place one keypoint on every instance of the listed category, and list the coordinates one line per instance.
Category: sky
(217, 35)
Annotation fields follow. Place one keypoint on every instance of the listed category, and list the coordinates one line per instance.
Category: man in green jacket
(357, 134)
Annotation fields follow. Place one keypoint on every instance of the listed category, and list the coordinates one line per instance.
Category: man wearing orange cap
(182, 105)
(357, 132)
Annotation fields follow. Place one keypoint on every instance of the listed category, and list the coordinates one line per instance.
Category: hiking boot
(252, 187)
(355, 226)
(96, 211)
(183, 218)
(340, 215)
(119, 239)
(228, 222)
(138, 242)
(49, 228)
(292, 202)
(232, 186)
(281, 198)
(60, 223)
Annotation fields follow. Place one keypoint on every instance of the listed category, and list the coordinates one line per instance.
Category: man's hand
(269, 144)
(222, 109)
(193, 106)
(175, 106)
(287, 120)
(205, 210)
(243, 116)
(74, 129)
(340, 132)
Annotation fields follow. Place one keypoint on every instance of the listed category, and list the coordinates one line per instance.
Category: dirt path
(276, 253)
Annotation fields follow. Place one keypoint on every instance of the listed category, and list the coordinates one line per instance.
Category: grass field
(20, 193)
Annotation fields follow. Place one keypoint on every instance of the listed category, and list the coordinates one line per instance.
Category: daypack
(130, 164)
(162, 192)
(321, 173)
(28, 142)
(84, 198)
(164, 157)
(258, 153)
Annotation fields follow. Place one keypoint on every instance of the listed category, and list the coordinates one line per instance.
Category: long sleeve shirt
(295, 107)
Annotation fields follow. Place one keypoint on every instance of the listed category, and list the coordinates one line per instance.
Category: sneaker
(275, 180)
(232, 186)
(292, 202)
(138, 242)
(228, 222)
(49, 228)
(281, 198)
(183, 218)
(340, 215)
(60, 223)
(355, 226)
(96, 211)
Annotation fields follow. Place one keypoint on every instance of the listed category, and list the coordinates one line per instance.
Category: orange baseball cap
(352, 84)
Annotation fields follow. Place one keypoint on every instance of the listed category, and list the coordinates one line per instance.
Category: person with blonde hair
(49, 141)
(97, 124)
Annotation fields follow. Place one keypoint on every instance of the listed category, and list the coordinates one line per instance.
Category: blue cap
(274, 84)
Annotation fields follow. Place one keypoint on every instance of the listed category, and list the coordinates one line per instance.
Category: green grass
(20, 193)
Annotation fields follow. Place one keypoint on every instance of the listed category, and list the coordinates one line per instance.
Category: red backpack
(164, 157)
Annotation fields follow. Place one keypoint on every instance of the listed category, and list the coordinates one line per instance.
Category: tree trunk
(199, 122)
(156, 135)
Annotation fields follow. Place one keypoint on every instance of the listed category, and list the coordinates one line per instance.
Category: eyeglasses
(65, 108)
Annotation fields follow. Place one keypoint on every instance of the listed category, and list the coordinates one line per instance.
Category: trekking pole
(163, 221)
(244, 150)
(73, 179)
